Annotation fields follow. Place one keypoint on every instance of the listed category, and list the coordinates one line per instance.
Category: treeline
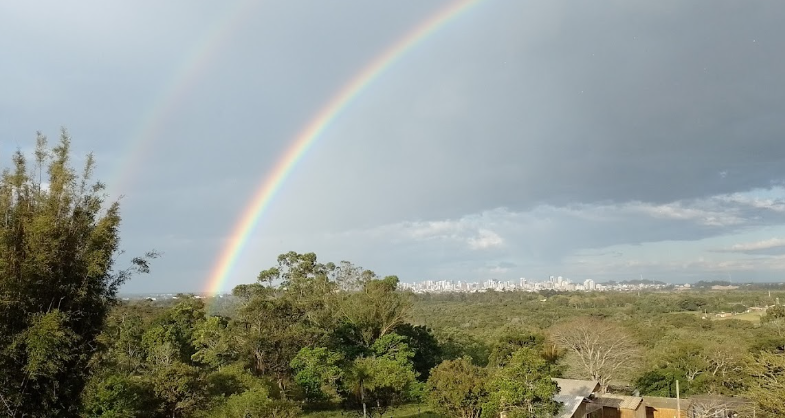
(307, 336)
(310, 336)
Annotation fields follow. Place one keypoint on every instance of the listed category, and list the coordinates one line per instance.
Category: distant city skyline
(558, 283)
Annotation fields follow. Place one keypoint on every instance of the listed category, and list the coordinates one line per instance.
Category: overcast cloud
(603, 140)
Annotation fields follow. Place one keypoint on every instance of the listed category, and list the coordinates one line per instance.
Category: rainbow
(187, 74)
(312, 131)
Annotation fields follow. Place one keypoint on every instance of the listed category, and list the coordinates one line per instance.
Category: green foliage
(255, 403)
(767, 387)
(318, 372)
(387, 376)
(179, 387)
(376, 310)
(120, 397)
(510, 342)
(58, 242)
(427, 353)
(213, 343)
(522, 388)
(280, 320)
(457, 388)
(774, 313)
(455, 344)
(661, 382)
(46, 344)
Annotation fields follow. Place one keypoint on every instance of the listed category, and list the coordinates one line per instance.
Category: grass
(747, 316)
(405, 411)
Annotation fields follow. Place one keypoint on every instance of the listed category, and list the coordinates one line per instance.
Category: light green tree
(767, 386)
(213, 343)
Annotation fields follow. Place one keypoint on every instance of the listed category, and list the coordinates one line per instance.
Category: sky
(607, 140)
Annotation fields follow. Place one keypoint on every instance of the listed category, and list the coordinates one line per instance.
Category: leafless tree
(596, 349)
(710, 406)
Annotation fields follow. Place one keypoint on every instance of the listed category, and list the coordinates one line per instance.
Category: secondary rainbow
(308, 135)
(195, 63)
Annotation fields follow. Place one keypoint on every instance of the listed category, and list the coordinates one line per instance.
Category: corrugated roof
(618, 401)
(668, 403)
(575, 387)
(571, 404)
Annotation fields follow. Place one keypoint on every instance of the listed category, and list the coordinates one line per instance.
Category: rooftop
(618, 401)
(574, 387)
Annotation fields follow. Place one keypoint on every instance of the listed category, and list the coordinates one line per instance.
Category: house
(657, 407)
(616, 406)
(575, 395)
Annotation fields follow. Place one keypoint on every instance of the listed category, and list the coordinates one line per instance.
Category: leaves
(457, 388)
(58, 243)
(522, 388)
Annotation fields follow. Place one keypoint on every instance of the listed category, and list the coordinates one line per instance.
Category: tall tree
(376, 310)
(596, 349)
(290, 307)
(58, 243)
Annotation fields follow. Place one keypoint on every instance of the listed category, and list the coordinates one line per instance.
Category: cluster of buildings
(553, 283)
(585, 399)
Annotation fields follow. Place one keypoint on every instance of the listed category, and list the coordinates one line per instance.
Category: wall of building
(663, 413)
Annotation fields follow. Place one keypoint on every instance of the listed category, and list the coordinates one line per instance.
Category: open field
(753, 317)
(748, 316)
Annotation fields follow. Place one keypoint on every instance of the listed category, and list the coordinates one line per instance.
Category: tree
(281, 318)
(767, 387)
(457, 388)
(213, 343)
(522, 388)
(386, 377)
(119, 397)
(376, 310)
(773, 313)
(661, 382)
(58, 243)
(597, 349)
(318, 372)
(510, 342)
(255, 403)
(427, 353)
(179, 386)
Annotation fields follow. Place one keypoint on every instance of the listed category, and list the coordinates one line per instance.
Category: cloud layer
(521, 138)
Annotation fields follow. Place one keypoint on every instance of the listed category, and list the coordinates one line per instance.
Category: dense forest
(322, 339)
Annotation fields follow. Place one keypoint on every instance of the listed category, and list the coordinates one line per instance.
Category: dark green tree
(427, 353)
(522, 388)
(457, 388)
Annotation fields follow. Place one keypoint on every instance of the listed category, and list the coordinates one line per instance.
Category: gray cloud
(773, 246)
(529, 132)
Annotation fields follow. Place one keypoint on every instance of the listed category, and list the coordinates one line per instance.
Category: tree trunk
(362, 399)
